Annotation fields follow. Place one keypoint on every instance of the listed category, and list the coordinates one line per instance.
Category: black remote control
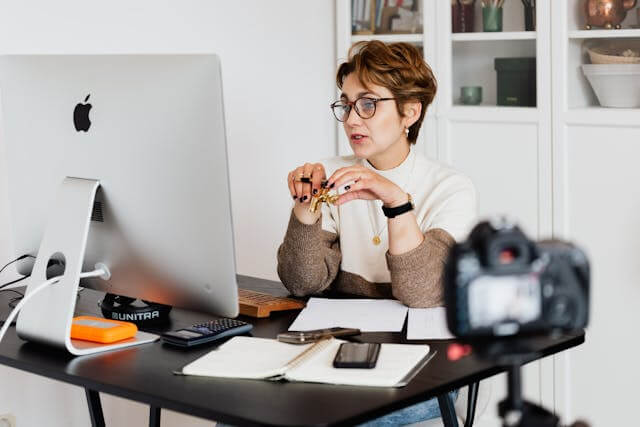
(201, 333)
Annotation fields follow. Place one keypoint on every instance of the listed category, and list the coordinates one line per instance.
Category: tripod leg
(471, 404)
(447, 410)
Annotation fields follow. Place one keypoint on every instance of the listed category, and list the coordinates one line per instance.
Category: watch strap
(398, 210)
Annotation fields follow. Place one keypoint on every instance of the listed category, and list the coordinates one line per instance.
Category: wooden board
(260, 304)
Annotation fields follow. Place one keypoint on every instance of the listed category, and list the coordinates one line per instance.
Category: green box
(516, 81)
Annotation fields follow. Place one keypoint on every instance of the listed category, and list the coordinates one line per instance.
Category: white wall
(278, 62)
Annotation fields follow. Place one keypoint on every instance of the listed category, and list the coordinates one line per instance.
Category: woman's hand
(367, 185)
(304, 182)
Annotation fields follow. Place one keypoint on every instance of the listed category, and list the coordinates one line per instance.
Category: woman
(398, 212)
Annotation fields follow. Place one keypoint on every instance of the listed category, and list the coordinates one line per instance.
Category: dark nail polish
(315, 191)
(347, 187)
(331, 186)
(294, 197)
(304, 198)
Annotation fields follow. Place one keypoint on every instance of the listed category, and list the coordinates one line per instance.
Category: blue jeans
(422, 411)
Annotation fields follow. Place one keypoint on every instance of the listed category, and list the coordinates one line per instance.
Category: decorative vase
(462, 16)
(491, 19)
(529, 15)
(606, 13)
(471, 95)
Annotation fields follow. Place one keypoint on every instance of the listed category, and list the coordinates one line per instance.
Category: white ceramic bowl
(615, 85)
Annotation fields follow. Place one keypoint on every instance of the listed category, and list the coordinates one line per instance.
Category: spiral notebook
(268, 359)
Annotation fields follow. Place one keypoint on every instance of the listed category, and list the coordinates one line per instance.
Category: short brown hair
(397, 66)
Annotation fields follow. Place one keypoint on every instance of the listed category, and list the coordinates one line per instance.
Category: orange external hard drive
(96, 329)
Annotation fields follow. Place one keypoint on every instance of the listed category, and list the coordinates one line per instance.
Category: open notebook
(268, 359)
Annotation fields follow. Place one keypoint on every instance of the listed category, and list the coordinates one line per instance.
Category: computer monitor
(148, 131)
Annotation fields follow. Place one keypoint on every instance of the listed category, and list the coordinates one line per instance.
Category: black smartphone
(306, 337)
(357, 355)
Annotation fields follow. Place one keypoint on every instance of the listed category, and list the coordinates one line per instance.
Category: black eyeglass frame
(352, 105)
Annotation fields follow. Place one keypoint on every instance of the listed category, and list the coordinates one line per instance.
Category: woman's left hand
(367, 185)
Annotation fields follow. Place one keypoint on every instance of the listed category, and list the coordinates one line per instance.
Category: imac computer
(119, 161)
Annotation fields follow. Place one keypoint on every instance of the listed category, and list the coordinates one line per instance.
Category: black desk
(143, 374)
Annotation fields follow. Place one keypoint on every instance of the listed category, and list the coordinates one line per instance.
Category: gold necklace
(376, 236)
(376, 240)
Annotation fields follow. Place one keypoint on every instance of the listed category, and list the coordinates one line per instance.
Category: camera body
(499, 283)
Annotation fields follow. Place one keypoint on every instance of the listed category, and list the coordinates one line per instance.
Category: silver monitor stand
(47, 316)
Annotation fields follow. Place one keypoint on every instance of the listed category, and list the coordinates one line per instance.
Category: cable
(100, 271)
(14, 301)
(52, 262)
(11, 262)
(21, 304)
(13, 282)
(16, 260)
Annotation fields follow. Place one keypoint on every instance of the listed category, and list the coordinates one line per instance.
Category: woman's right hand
(302, 192)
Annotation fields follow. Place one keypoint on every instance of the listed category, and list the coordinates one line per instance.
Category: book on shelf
(385, 16)
(245, 357)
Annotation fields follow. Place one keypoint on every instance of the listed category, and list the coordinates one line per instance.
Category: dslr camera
(498, 283)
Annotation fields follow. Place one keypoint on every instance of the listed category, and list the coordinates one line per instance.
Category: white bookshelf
(389, 38)
(613, 117)
(502, 35)
(469, 59)
(604, 34)
(493, 114)
(577, 98)
(584, 135)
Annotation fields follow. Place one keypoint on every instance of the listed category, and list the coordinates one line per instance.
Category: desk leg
(95, 408)
(471, 404)
(447, 410)
(154, 416)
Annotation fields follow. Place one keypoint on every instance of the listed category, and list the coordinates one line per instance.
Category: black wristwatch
(398, 210)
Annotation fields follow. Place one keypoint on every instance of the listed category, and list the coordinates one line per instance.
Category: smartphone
(357, 355)
(305, 337)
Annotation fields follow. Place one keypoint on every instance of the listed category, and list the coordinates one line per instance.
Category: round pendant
(376, 240)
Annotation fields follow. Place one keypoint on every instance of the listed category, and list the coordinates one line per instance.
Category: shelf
(389, 38)
(509, 35)
(604, 34)
(602, 116)
(493, 113)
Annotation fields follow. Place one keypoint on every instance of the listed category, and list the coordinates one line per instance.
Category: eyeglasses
(364, 106)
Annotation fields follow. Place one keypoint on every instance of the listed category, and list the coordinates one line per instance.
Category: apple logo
(81, 116)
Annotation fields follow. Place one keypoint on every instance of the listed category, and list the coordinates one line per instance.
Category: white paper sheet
(368, 315)
(428, 324)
